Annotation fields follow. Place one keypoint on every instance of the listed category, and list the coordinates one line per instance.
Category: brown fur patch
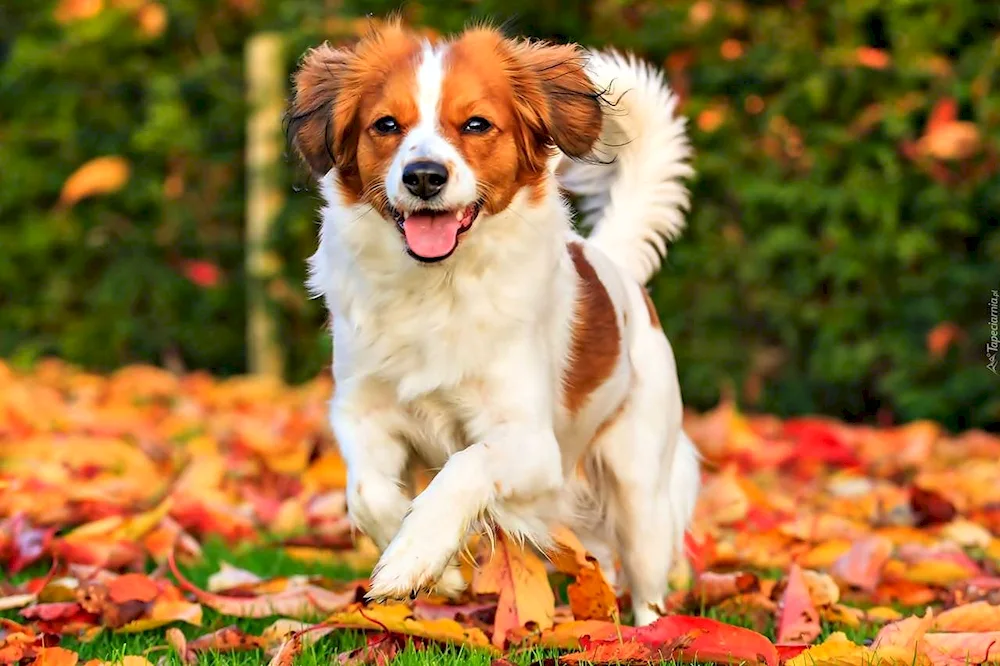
(654, 317)
(596, 340)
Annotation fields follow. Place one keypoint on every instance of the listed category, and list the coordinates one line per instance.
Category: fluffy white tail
(632, 194)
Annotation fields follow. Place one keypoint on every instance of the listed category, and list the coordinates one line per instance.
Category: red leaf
(681, 638)
(798, 621)
(819, 440)
(945, 112)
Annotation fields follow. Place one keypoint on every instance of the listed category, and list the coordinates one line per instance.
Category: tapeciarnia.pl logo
(993, 344)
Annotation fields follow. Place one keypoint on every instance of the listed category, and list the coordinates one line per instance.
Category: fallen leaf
(977, 616)
(798, 621)
(680, 638)
(525, 596)
(711, 589)
(398, 619)
(961, 649)
(861, 566)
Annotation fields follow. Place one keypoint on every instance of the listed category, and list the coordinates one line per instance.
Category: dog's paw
(412, 562)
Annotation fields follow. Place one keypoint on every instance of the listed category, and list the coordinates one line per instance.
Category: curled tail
(632, 195)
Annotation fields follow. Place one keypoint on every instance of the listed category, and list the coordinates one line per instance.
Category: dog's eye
(476, 125)
(386, 125)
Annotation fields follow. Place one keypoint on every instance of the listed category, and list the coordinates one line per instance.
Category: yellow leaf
(101, 175)
(518, 577)
(993, 550)
(825, 554)
(137, 526)
(329, 472)
(882, 614)
(842, 615)
(398, 618)
(977, 616)
(937, 572)
(165, 612)
(837, 650)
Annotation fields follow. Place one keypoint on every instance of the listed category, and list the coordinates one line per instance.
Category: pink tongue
(431, 236)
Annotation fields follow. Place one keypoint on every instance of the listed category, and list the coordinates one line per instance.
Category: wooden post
(265, 73)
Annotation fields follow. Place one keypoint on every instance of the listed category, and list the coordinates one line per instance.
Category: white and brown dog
(473, 329)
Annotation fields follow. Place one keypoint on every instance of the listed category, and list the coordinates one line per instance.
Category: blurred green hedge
(842, 250)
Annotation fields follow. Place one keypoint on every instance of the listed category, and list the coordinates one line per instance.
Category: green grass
(269, 563)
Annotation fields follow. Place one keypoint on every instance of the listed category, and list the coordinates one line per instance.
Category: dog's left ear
(555, 98)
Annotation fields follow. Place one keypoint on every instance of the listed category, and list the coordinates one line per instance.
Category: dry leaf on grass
(525, 596)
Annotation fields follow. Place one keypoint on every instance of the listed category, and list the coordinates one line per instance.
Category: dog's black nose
(424, 179)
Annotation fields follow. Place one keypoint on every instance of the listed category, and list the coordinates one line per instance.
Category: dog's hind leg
(652, 477)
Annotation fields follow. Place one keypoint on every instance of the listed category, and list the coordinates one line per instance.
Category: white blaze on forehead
(424, 141)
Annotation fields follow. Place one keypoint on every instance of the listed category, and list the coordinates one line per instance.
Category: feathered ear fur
(555, 98)
(321, 123)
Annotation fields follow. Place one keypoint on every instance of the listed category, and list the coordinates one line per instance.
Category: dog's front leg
(515, 462)
(368, 427)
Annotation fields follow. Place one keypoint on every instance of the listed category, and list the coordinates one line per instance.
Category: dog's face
(434, 135)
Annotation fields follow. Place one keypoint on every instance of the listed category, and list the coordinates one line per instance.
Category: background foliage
(842, 249)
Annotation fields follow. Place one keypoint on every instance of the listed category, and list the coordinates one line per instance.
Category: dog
(473, 328)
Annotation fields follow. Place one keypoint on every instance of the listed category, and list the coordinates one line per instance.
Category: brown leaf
(101, 175)
(713, 588)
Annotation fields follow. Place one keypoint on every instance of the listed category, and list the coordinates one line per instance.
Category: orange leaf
(132, 587)
(977, 616)
(961, 649)
(101, 175)
(590, 594)
(798, 621)
(56, 656)
(905, 634)
(680, 638)
(518, 577)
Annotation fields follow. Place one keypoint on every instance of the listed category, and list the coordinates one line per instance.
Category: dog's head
(434, 134)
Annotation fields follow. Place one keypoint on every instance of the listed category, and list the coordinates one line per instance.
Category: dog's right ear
(320, 124)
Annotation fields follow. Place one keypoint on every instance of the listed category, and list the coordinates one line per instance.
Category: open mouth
(432, 235)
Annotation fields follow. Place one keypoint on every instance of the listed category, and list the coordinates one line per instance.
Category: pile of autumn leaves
(808, 530)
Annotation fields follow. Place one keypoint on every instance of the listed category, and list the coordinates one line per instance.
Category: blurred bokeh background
(843, 247)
